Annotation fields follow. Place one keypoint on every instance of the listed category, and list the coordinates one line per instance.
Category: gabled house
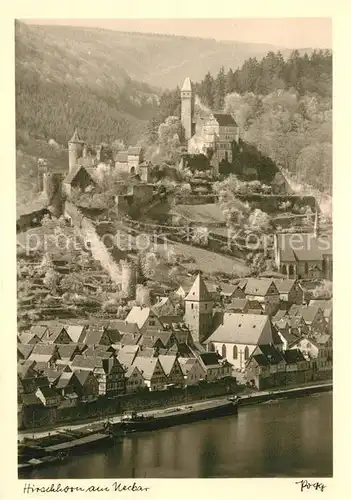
(192, 370)
(263, 362)
(238, 336)
(319, 346)
(29, 338)
(172, 369)
(78, 178)
(145, 318)
(24, 351)
(88, 386)
(295, 360)
(230, 292)
(161, 339)
(26, 369)
(215, 366)
(67, 352)
(134, 379)
(95, 335)
(326, 306)
(76, 333)
(126, 328)
(265, 292)
(164, 307)
(48, 396)
(153, 374)
(57, 334)
(129, 339)
(313, 317)
(290, 292)
(108, 372)
(238, 305)
(47, 353)
(39, 331)
(126, 355)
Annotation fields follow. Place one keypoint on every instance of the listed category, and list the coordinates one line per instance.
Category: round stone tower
(75, 149)
(187, 108)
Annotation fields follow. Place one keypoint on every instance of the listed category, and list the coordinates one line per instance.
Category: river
(282, 438)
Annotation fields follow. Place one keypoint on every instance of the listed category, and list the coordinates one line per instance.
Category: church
(217, 136)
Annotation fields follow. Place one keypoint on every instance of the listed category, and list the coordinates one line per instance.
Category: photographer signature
(306, 485)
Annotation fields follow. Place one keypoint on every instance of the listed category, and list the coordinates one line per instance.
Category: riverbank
(253, 397)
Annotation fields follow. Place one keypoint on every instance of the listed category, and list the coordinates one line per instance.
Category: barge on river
(139, 422)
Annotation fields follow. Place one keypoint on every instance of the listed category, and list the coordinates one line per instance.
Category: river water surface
(283, 438)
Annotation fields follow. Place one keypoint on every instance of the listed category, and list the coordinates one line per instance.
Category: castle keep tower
(198, 310)
(75, 149)
(187, 107)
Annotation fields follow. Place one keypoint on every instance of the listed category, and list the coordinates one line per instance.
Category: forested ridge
(283, 108)
(61, 83)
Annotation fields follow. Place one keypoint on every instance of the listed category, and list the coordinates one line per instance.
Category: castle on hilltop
(85, 162)
(217, 136)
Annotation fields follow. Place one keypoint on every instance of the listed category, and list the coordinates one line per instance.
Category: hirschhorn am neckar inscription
(174, 249)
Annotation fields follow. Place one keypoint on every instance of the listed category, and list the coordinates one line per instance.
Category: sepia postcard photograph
(174, 250)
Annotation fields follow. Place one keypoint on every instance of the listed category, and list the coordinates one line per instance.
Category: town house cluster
(260, 332)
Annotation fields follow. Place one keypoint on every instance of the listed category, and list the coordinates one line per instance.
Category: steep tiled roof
(47, 349)
(64, 380)
(271, 353)
(87, 363)
(94, 335)
(76, 332)
(225, 119)
(227, 289)
(279, 315)
(67, 350)
(293, 356)
(258, 286)
(139, 315)
(284, 285)
(82, 376)
(303, 247)
(39, 330)
(146, 365)
(124, 327)
(186, 364)
(198, 292)
(238, 304)
(167, 363)
(24, 350)
(209, 358)
(249, 329)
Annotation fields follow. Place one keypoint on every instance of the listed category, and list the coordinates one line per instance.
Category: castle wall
(96, 244)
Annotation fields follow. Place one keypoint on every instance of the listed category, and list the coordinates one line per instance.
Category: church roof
(75, 137)
(198, 291)
(187, 85)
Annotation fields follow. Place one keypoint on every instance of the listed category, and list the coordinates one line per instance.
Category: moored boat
(139, 422)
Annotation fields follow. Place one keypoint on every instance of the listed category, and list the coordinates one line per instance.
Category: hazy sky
(287, 32)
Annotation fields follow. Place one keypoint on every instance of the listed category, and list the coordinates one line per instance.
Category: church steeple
(198, 310)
